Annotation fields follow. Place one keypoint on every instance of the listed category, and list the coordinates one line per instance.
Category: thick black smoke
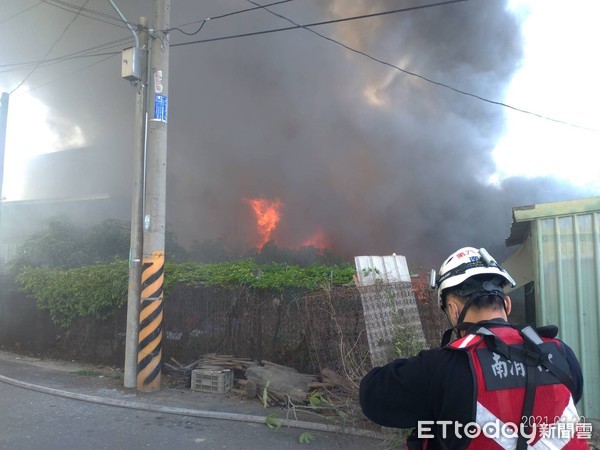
(380, 160)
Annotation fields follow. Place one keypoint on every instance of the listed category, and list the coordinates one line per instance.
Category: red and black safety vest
(521, 389)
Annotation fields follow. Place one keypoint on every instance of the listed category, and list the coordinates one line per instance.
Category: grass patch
(87, 373)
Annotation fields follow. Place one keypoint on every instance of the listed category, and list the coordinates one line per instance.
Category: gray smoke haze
(379, 160)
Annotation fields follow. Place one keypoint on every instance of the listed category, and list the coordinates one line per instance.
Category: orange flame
(317, 240)
(267, 217)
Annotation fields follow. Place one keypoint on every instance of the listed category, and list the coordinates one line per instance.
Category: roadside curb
(191, 412)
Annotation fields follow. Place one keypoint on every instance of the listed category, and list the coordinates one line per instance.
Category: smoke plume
(379, 160)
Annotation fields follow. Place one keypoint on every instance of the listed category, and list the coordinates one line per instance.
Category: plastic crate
(217, 381)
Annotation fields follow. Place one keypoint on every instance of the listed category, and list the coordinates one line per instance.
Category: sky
(376, 159)
(558, 79)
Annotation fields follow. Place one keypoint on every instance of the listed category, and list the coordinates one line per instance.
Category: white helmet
(463, 264)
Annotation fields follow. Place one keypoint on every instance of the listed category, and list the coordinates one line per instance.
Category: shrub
(99, 290)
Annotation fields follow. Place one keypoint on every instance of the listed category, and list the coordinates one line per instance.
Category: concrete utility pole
(151, 311)
(137, 212)
(3, 121)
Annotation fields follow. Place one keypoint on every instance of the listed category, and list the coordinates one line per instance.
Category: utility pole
(134, 68)
(3, 122)
(137, 212)
(151, 309)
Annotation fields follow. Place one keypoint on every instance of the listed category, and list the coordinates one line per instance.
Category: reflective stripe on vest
(500, 392)
(557, 436)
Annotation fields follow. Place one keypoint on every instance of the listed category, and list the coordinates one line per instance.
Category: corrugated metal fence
(568, 293)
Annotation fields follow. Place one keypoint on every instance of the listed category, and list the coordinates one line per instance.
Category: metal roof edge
(523, 215)
(51, 200)
(544, 210)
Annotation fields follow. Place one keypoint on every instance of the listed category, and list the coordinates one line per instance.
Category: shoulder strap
(530, 335)
(532, 355)
(532, 342)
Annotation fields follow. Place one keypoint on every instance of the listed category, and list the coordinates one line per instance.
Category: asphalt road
(34, 420)
(31, 420)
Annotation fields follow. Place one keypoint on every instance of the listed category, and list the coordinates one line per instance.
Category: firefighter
(495, 386)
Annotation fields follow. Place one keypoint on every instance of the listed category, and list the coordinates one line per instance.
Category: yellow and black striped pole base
(151, 317)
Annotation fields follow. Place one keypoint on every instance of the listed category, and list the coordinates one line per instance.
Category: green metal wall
(567, 267)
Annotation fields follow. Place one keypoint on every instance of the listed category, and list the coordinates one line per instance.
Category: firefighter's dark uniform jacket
(435, 385)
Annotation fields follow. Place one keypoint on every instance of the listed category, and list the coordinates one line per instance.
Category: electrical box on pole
(131, 67)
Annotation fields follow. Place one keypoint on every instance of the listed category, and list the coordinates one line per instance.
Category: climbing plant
(99, 290)
(95, 290)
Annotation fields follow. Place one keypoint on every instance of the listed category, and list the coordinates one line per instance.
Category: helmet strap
(475, 296)
(460, 324)
(463, 313)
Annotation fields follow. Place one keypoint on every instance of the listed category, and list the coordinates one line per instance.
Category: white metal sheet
(382, 269)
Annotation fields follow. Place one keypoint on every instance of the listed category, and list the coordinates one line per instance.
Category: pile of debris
(270, 383)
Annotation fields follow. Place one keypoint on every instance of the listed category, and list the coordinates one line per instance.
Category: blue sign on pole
(160, 107)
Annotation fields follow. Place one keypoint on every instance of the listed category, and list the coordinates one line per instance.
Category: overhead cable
(429, 80)
(49, 50)
(225, 15)
(380, 61)
(308, 25)
(91, 14)
(20, 12)
(110, 55)
(93, 52)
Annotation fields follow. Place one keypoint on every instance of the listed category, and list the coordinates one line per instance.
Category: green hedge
(99, 290)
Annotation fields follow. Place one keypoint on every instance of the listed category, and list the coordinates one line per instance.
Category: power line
(110, 55)
(86, 53)
(51, 62)
(92, 14)
(380, 61)
(204, 21)
(21, 12)
(195, 32)
(314, 24)
(49, 50)
(79, 8)
(229, 14)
